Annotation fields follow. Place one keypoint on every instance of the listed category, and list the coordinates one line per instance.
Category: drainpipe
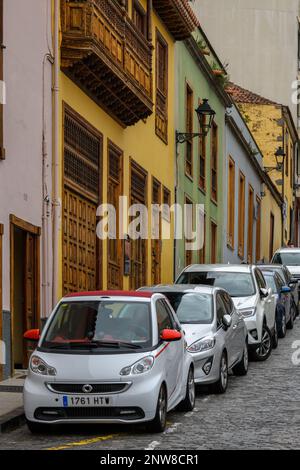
(46, 212)
(56, 202)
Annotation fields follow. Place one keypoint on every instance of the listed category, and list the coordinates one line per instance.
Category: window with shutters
(161, 118)
(214, 162)
(258, 229)
(166, 212)
(231, 203)
(189, 129)
(250, 225)
(156, 243)
(138, 195)
(82, 195)
(2, 151)
(114, 191)
(202, 157)
(139, 17)
(241, 238)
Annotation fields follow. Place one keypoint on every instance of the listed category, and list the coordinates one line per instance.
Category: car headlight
(39, 366)
(248, 312)
(139, 367)
(203, 344)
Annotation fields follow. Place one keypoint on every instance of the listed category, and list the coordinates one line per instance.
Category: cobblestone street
(260, 410)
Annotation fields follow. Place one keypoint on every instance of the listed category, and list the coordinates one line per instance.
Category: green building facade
(200, 161)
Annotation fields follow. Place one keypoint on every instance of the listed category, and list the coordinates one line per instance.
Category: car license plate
(69, 401)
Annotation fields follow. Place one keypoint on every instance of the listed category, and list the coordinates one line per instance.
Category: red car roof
(112, 293)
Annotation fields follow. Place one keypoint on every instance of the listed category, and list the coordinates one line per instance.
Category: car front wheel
(265, 348)
(282, 327)
(158, 424)
(221, 386)
(188, 403)
(290, 324)
(242, 367)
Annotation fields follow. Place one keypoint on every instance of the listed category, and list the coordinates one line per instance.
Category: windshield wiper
(95, 344)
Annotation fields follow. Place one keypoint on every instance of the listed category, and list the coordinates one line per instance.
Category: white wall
(259, 40)
(27, 33)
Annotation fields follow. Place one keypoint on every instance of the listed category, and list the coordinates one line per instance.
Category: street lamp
(280, 156)
(203, 111)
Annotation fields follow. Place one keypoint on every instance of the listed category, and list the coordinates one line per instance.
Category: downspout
(56, 202)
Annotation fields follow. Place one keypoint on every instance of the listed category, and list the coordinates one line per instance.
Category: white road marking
(153, 445)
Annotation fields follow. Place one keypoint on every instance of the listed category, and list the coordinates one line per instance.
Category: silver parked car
(215, 332)
(290, 257)
(247, 287)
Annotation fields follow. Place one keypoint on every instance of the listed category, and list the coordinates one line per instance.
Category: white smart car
(109, 357)
(247, 287)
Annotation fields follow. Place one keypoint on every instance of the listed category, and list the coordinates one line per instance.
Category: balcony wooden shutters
(156, 244)
(138, 193)
(114, 191)
(161, 117)
(82, 159)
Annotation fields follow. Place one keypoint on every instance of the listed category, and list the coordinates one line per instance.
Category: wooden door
(79, 243)
(30, 294)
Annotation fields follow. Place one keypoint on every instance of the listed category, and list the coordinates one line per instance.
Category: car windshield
(104, 324)
(192, 307)
(270, 281)
(236, 284)
(287, 258)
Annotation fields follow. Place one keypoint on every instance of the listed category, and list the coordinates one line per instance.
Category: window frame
(231, 204)
(214, 153)
(241, 215)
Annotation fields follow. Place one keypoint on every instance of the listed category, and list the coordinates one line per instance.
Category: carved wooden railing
(103, 28)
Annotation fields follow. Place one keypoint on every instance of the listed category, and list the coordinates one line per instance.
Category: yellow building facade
(117, 137)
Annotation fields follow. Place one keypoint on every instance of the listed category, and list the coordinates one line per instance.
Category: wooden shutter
(250, 225)
(189, 129)
(161, 114)
(114, 191)
(231, 203)
(156, 244)
(258, 229)
(82, 184)
(241, 238)
(214, 162)
(138, 191)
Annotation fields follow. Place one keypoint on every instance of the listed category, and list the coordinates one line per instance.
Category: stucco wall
(27, 33)
(258, 38)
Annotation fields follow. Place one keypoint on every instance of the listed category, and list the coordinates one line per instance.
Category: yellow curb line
(84, 442)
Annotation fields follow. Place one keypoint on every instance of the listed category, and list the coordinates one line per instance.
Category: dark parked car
(288, 279)
(284, 300)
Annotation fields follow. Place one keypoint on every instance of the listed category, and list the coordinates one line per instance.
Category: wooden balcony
(105, 55)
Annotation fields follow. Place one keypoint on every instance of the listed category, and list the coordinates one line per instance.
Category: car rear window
(236, 284)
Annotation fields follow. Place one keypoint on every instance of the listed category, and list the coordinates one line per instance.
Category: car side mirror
(285, 290)
(227, 321)
(32, 335)
(171, 335)
(264, 292)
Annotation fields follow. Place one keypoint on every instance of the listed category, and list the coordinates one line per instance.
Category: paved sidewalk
(11, 403)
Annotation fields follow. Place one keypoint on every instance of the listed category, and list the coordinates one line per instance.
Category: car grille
(122, 413)
(100, 388)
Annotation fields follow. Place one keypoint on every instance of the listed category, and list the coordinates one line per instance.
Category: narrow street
(260, 410)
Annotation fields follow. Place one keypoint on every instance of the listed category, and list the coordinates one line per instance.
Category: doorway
(25, 288)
